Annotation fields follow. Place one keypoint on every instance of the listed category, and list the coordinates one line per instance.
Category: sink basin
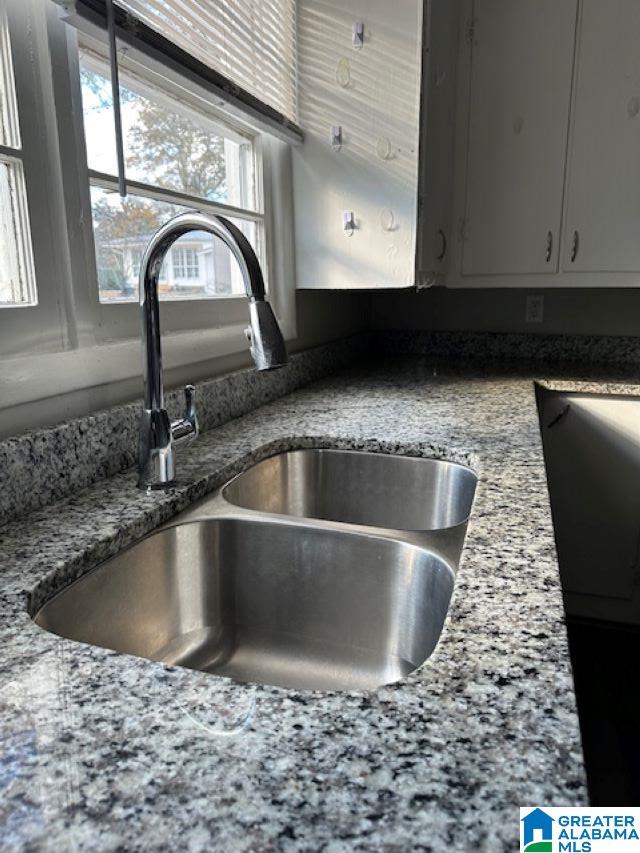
(282, 603)
(373, 489)
(321, 569)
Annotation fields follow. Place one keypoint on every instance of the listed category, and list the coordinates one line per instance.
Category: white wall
(374, 174)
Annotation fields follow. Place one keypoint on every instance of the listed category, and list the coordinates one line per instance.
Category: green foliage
(177, 153)
(132, 218)
(166, 149)
(113, 227)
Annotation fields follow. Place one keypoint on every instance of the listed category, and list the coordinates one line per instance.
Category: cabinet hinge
(463, 229)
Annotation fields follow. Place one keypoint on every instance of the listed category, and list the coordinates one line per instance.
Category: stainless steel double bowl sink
(321, 569)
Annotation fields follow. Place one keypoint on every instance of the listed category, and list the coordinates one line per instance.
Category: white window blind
(251, 42)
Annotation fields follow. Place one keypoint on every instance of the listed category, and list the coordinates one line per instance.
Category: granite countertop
(102, 751)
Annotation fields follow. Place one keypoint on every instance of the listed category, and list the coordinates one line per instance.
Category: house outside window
(185, 263)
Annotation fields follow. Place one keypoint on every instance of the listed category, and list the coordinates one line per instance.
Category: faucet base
(156, 465)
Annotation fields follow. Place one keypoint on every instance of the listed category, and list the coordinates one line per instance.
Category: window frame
(69, 313)
(41, 325)
(12, 156)
(116, 317)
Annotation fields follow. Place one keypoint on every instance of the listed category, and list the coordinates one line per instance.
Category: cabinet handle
(549, 246)
(443, 245)
(575, 246)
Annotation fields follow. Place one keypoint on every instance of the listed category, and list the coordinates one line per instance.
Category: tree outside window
(164, 149)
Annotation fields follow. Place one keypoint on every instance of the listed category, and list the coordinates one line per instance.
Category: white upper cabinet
(603, 215)
(518, 117)
(355, 200)
(547, 155)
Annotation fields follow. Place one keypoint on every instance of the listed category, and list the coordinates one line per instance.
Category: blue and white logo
(537, 832)
(579, 830)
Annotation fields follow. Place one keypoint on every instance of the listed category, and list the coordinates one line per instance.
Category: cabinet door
(604, 163)
(437, 142)
(521, 66)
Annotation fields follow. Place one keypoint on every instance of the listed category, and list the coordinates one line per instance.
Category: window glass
(178, 155)
(16, 274)
(9, 126)
(165, 146)
(197, 266)
(17, 280)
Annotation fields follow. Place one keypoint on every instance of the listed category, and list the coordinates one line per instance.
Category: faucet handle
(187, 426)
(190, 405)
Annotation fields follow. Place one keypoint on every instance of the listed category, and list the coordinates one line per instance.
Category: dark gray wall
(568, 311)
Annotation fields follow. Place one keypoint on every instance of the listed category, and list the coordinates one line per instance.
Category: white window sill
(38, 377)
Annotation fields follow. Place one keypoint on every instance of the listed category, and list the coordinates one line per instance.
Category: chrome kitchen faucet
(159, 435)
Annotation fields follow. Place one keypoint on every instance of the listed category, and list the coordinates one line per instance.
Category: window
(17, 280)
(64, 226)
(177, 157)
(185, 263)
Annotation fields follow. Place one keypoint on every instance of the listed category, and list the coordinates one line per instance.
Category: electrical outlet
(534, 309)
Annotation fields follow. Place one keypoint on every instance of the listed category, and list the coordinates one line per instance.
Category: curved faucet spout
(158, 435)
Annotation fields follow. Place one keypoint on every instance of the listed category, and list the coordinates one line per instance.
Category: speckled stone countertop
(101, 751)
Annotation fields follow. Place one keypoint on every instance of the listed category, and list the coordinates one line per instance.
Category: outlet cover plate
(534, 309)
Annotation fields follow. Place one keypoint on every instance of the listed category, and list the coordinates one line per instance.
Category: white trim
(276, 184)
(540, 281)
(49, 324)
(138, 188)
